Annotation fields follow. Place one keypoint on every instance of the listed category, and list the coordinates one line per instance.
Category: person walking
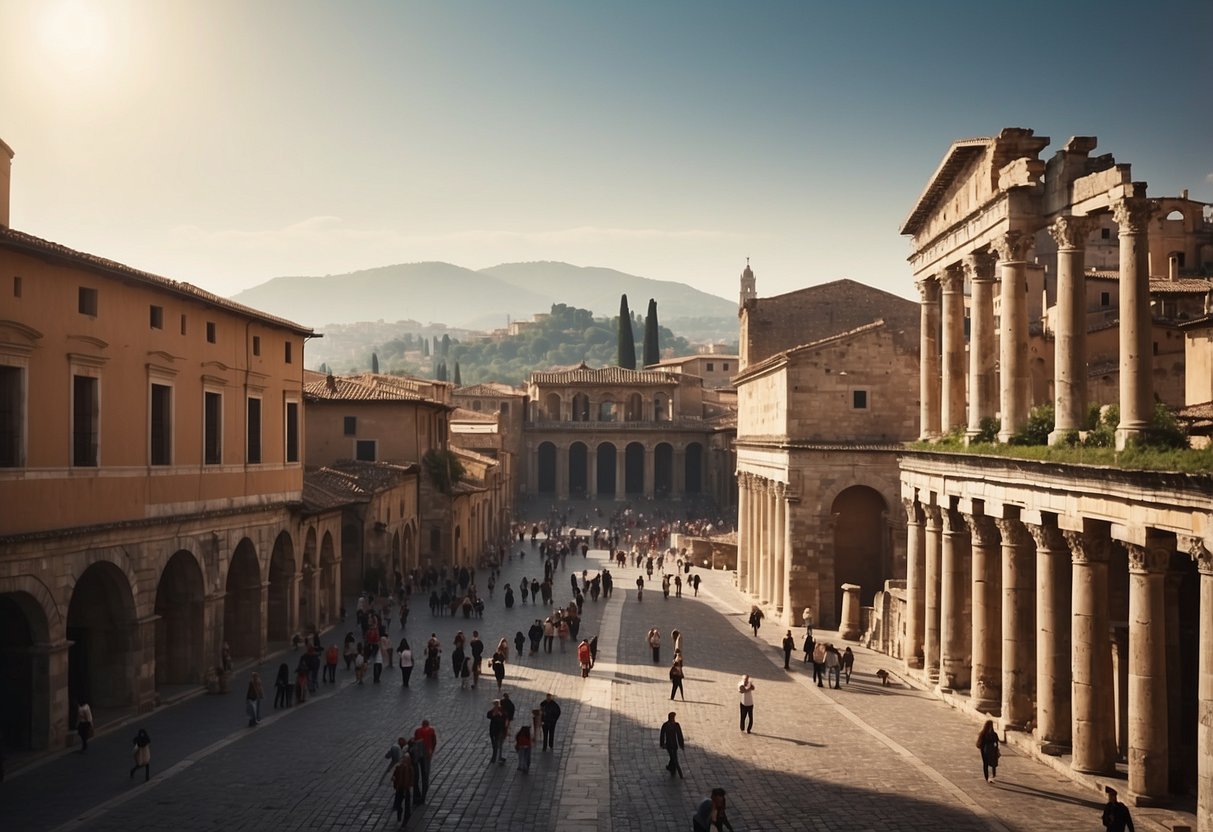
(563, 632)
(253, 699)
(695, 583)
(143, 755)
(282, 687)
(848, 662)
(522, 744)
(405, 660)
(583, 658)
(497, 730)
(676, 677)
(549, 710)
(746, 689)
(711, 812)
(426, 734)
(654, 639)
(549, 634)
(377, 665)
(331, 657)
(833, 666)
(519, 643)
(987, 744)
(808, 646)
(84, 724)
(756, 617)
(393, 755)
(789, 644)
(498, 666)
(819, 662)
(535, 633)
(1116, 817)
(403, 784)
(671, 741)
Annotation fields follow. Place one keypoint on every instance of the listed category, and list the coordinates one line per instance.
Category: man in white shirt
(746, 689)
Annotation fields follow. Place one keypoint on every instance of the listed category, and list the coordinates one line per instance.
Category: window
(12, 417)
(505, 408)
(253, 451)
(724, 366)
(156, 317)
(210, 332)
(859, 399)
(1105, 299)
(256, 345)
(182, 324)
(212, 429)
(87, 301)
(16, 287)
(85, 416)
(351, 425)
(711, 367)
(1105, 233)
(476, 405)
(292, 431)
(161, 452)
(287, 352)
(364, 450)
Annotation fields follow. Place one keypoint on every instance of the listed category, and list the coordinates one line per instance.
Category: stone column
(1136, 351)
(743, 531)
(591, 476)
(1013, 378)
(562, 472)
(1149, 759)
(621, 467)
(930, 648)
(849, 627)
(1070, 326)
(928, 359)
(911, 648)
(778, 540)
(1053, 574)
(1018, 625)
(980, 271)
(987, 615)
(1204, 726)
(1094, 738)
(952, 346)
(764, 538)
(954, 626)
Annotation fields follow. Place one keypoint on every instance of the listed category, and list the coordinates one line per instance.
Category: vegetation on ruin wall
(566, 337)
(1163, 448)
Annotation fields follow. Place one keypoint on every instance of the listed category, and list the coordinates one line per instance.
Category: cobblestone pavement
(860, 758)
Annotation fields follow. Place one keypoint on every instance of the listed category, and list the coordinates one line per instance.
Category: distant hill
(459, 297)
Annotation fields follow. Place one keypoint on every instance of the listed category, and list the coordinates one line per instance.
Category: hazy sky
(230, 141)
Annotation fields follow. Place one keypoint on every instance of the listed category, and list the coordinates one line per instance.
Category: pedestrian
(503, 647)
(711, 812)
(331, 655)
(416, 751)
(640, 587)
(507, 706)
(549, 634)
(253, 699)
(593, 650)
(583, 658)
(833, 665)
(677, 586)
(359, 665)
(1116, 816)
(987, 743)
(549, 710)
(671, 741)
(404, 782)
(429, 738)
(756, 617)
(676, 640)
(498, 666)
(519, 642)
(282, 687)
(746, 689)
(143, 755)
(819, 662)
(535, 632)
(84, 724)
(377, 664)
(654, 640)
(695, 583)
(497, 732)
(789, 644)
(563, 632)
(808, 647)
(393, 755)
(405, 660)
(848, 662)
(806, 616)
(225, 657)
(522, 744)
(385, 647)
(676, 676)
(350, 650)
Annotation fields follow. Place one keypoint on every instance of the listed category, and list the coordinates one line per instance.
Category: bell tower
(749, 290)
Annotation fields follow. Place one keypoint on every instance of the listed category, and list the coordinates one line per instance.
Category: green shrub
(1036, 432)
(987, 431)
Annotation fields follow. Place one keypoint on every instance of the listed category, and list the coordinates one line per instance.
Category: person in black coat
(549, 711)
(671, 741)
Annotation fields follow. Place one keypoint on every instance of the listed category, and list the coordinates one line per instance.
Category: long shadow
(1048, 795)
(792, 740)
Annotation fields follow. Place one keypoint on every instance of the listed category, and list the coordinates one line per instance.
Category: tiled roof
(1197, 411)
(365, 387)
(21, 241)
(1198, 323)
(351, 481)
(604, 375)
(785, 354)
(491, 389)
(463, 414)
(1180, 286)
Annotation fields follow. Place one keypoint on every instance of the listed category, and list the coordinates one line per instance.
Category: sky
(228, 142)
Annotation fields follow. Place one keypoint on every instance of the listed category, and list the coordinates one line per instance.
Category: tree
(440, 375)
(446, 345)
(375, 361)
(443, 468)
(627, 341)
(458, 378)
(652, 350)
(425, 347)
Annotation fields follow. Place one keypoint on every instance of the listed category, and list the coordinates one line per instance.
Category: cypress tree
(425, 347)
(458, 379)
(375, 359)
(652, 350)
(627, 341)
(440, 375)
(446, 345)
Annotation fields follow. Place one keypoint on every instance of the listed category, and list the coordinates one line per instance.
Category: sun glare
(74, 34)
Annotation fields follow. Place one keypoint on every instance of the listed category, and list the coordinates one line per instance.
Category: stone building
(826, 395)
(626, 434)
(1074, 603)
(715, 368)
(501, 440)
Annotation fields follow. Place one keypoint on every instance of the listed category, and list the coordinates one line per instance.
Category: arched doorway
(551, 404)
(546, 468)
(100, 625)
(24, 673)
(179, 627)
(330, 588)
(578, 470)
(661, 408)
(861, 543)
(634, 411)
(693, 468)
(663, 469)
(242, 628)
(281, 589)
(606, 470)
(581, 407)
(633, 468)
(351, 554)
(309, 612)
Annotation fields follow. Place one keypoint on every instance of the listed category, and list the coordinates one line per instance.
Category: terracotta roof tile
(490, 389)
(463, 414)
(604, 375)
(365, 387)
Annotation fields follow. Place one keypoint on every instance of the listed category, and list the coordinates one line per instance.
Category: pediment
(17, 337)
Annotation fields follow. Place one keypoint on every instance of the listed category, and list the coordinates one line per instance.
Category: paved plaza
(865, 757)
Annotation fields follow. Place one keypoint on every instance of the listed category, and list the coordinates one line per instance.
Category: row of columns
(1017, 613)
(677, 462)
(942, 342)
(763, 539)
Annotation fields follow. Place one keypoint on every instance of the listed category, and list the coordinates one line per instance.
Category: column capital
(1070, 233)
(933, 516)
(928, 290)
(952, 279)
(1145, 560)
(913, 518)
(1047, 538)
(1012, 246)
(780, 489)
(1086, 550)
(1133, 214)
(979, 265)
(985, 532)
(1012, 531)
(953, 521)
(1200, 553)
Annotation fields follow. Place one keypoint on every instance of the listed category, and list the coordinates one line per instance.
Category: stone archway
(280, 618)
(606, 470)
(24, 673)
(861, 543)
(101, 626)
(546, 468)
(180, 638)
(633, 468)
(693, 469)
(663, 469)
(579, 483)
(242, 622)
(330, 586)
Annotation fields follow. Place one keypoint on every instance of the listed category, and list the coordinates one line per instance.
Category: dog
(883, 676)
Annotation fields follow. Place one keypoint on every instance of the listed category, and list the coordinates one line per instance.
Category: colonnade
(946, 404)
(1015, 610)
(764, 544)
(681, 476)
